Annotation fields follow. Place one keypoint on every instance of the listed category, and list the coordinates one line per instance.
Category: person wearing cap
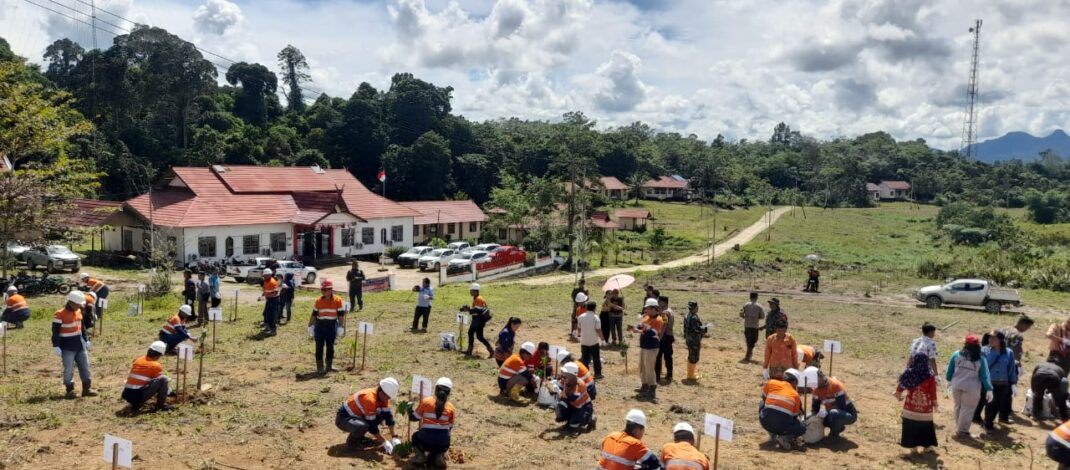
(967, 372)
(355, 278)
(839, 411)
(1057, 446)
(667, 339)
(579, 301)
(694, 331)
(924, 344)
(575, 407)
(503, 347)
(780, 352)
(780, 408)
(480, 316)
(1013, 337)
(95, 286)
(649, 330)
(147, 380)
(565, 357)
(425, 294)
(271, 290)
(1048, 377)
(589, 326)
(624, 450)
(70, 343)
(16, 309)
(364, 411)
(436, 417)
(752, 313)
(513, 374)
(774, 316)
(175, 329)
(325, 325)
(681, 453)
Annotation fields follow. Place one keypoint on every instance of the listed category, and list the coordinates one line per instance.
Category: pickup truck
(411, 258)
(303, 274)
(976, 292)
(240, 272)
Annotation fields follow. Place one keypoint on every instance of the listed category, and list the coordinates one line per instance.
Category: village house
(662, 188)
(609, 187)
(632, 219)
(239, 212)
(889, 190)
(448, 220)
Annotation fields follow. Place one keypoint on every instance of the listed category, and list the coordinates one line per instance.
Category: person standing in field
(286, 305)
(1004, 377)
(694, 331)
(425, 294)
(752, 314)
(614, 332)
(649, 342)
(204, 292)
(591, 340)
(480, 316)
(189, 291)
(577, 303)
(70, 343)
(355, 278)
(924, 344)
(667, 340)
(326, 324)
(270, 293)
(774, 316)
(780, 353)
(919, 404)
(968, 374)
(213, 284)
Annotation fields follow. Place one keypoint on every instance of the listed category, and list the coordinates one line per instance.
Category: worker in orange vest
(574, 406)
(513, 375)
(89, 314)
(436, 417)
(624, 450)
(364, 411)
(565, 357)
(808, 356)
(70, 343)
(780, 408)
(96, 286)
(839, 411)
(147, 380)
(681, 454)
(271, 292)
(175, 330)
(325, 325)
(16, 309)
(1058, 445)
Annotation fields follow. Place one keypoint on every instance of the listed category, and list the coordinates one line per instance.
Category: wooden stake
(200, 365)
(831, 353)
(364, 349)
(353, 350)
(716, 445)
(235, 318)
(3, 354)
(213, 339)
(115, 456)
(460, 339)
(408, 422)
(185, 379)
(178, 371)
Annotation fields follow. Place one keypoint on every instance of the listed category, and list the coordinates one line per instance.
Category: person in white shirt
(424, 295)
(591, 339)
(924, 344)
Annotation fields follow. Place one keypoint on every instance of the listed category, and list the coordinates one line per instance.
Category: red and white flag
(382, 176)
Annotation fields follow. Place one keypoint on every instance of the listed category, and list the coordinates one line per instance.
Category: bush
(1047, 207)
(437, 243)
(394, 251)
(934, 269)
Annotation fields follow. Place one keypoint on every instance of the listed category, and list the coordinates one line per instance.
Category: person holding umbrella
(613, 330)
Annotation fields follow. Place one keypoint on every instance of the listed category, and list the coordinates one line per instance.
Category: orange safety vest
(582, 309)
(579, 396)
(782, 396)
(70, 322)
(271, 288)
(830, 392)
(328, 309)
(655, 323)
(428, 420)
(583, 373)
(683, 456)
(365, 404)
(143, 371)
(808, 353)
(511, 367)
(94, 285)
(622, 451)
(1061, 434)
(17, 302)
(170, 326)
(90, 301)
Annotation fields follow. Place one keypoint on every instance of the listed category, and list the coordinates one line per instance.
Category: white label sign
(215, 314)
(236, 292)
(710, 428)
(462, 319)
(345, 306)
(554, 350)
(421, 385)
(3, 329)
(126, 451)
(365, 328)
(141, 288)
(833, 346)
(102, 303)
(185, 352)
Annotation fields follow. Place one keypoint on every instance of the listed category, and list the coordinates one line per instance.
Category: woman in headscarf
(503, 348)
(968, 375)
(918, 406)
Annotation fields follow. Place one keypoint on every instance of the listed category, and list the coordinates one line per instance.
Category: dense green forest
(154, 101)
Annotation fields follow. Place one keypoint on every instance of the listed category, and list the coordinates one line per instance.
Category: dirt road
(720, 249)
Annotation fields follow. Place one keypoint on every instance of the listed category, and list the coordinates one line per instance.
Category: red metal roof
(612, 183)
(632, 213)
(896, 185)
(364, 203)
(89, 212)
(666, 182)
(445, 212)
(267, 179)
(872, 187)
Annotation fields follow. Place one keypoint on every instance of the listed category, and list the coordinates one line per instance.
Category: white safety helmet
(651, 303)
(12, 289)
(268, 272)
(158, 346)
(683, 426)
(77, 297)
(581, 297)
(570, 369)
(793, 373)
(636, 416)
(389, 386)
(185, 309)
(474, 286)
(444, 382)
(84, 276)
(562, 355)
(528, 346)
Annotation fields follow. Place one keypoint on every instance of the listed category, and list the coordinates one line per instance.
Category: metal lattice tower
(969, 125)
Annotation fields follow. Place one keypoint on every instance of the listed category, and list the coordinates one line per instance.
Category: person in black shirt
(581, 287)
(356, 286)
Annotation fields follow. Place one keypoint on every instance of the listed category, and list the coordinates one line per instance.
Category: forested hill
(155, 101)
(1023, 146)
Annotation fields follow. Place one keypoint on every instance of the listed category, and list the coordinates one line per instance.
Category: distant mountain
(1022, 146)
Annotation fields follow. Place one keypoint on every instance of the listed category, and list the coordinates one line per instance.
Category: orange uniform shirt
(143, 371)
(780, 352)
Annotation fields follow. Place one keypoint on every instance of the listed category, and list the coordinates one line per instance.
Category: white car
(410, 258)
(240, 272)
(488, 247)
(978, 292)
(467, 259)
(459, 247)
(436, 258)
(304, 274)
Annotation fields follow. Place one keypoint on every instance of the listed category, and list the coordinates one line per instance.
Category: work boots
(642, 392)
(440, 460)
(70, 391)
(419, 458)
(319, 368)
(692, 372)
(653, 394)
(86, 390)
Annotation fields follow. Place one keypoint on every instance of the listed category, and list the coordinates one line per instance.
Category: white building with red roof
(889, 190)
(448, 220)
(240, 212)
(674, 187)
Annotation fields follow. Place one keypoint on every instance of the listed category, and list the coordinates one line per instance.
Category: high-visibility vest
(683, 456)
(17, 302)
(622, 451)
(429, 420)
(171, 325)
(583, 373)
(579, 396)
(365, 404)
(511, 367)
(90, 300)
(327, 309)
(1061, 434)
(808, 353)
(830, 392)
(271, 288)
(782, 396)
(70, 322)
(94, 285)
(143, 371)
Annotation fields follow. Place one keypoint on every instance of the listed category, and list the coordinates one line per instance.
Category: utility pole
(969, 125)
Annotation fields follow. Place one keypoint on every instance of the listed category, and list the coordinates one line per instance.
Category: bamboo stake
(115, 456)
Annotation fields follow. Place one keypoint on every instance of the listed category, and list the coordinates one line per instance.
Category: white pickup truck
(976, 292)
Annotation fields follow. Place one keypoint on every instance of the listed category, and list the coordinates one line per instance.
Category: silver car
(53, 258)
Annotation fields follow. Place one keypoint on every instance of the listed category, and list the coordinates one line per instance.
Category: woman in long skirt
(918, 382)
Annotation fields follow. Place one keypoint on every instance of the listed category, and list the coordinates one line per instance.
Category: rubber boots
(514, 393)
(87, 391)
(70, 391)
(692, 372)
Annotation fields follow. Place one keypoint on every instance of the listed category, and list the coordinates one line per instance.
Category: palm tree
(635, 185)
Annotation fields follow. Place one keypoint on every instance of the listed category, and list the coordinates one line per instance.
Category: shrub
(934, 269)
(394, 251)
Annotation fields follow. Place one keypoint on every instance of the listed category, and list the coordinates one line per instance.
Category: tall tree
(294, 71)
(33, 120)
(63, 56)
(258, 85)
(414, 107)
(420, 172)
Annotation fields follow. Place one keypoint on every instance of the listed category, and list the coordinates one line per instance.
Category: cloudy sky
(736, 67)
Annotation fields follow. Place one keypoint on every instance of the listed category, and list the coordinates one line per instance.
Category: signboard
(462, 319)
(365, 328)
(345, 306)
(102, 303)
(554, 350)
(421, 385)
(142, 288)
(215, 314)
(125, 450)
(833, 346)
(377, 284)
(3, 329)
(185, 352)
(710, 428)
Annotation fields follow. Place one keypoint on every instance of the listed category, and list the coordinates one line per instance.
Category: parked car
(488, 247)
(436, 258)
(410, 258)
(305, 274)
(459, 247)
(240, 270)
(977, 292)
(509, 252)
(466, 259)
(53, 258)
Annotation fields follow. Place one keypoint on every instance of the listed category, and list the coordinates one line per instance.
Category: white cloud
(619, 87)
(217, 16)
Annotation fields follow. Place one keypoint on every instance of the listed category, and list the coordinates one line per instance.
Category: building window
(128, 240)
(278, 241)
(250, 244)
(228, 246)
(347, 236)
(416, 230)
(206, 247)
(397, 233)
(367, 236)
(502, 234)
(382, 236)
(473, 227)
(451, 228)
